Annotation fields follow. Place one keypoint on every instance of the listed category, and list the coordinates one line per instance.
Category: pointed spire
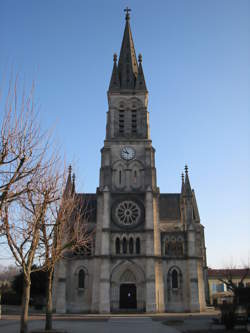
(182, 184)
(127, 75)
(114, 82)
(188, 190)
(73, 184)
(140, 81)
(68, 186)
(127, 65)
(69, 176)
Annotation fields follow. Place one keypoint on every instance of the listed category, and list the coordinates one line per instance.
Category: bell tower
(127, 232)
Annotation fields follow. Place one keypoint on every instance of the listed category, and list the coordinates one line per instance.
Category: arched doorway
(128, 299)
(128, 296)
(127, 290)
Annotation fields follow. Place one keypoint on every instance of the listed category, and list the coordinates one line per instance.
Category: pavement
(143, 323)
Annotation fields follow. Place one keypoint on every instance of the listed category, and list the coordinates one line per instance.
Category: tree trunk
(48, 324)
(25, 305)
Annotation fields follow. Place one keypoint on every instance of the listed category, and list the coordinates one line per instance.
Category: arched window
(81, 279)
(131, 245)
(133, 120)
(124, 245)
(174, 279)
(179, 247)
(172, 246)
(138, 246)
(121, 120)
(118, 174)
(117, 246)
(120, 177)
(167, 247)
(135, 176)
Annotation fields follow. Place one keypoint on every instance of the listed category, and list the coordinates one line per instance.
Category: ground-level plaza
(167, 323)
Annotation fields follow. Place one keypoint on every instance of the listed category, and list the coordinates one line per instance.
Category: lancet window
(134, 121)
(131, 245)
(124, 245)
(117, 246)
(81, 279)
(174, 279)
(121, 119)
(174, 247)
(127, 245)
(137, 246)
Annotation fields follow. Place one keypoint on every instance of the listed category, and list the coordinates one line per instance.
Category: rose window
(128, 212)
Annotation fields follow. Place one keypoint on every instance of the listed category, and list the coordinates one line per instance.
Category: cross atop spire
(127, 10)
(127, 75)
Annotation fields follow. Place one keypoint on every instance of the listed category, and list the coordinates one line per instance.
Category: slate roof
(169, 206)
(88, 205)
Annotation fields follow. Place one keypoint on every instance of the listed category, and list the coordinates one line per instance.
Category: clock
(127, 153)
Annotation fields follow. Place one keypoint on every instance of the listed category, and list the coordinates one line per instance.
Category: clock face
(127, 153)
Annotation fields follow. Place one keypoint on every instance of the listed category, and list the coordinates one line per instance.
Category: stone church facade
(148, 251)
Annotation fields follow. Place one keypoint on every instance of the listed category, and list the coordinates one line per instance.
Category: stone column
(105, 233)
(97, 260)
(96, 286)
(192, 272)
(150, 263)
(159, 285)
(104, 305)
(149, 221)
(150, 286)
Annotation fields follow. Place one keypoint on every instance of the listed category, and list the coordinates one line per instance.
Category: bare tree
(21, 226)
(41, 226)
(22, 145)
(234, 278)
(23, 162)
(40, 218)
(64, 231)
(229, 279)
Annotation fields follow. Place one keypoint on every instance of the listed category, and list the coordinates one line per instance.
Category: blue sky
(196, 63)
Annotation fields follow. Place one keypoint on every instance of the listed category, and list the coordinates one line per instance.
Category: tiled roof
(235, 272)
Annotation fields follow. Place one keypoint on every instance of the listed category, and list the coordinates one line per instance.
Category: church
(148, 251)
